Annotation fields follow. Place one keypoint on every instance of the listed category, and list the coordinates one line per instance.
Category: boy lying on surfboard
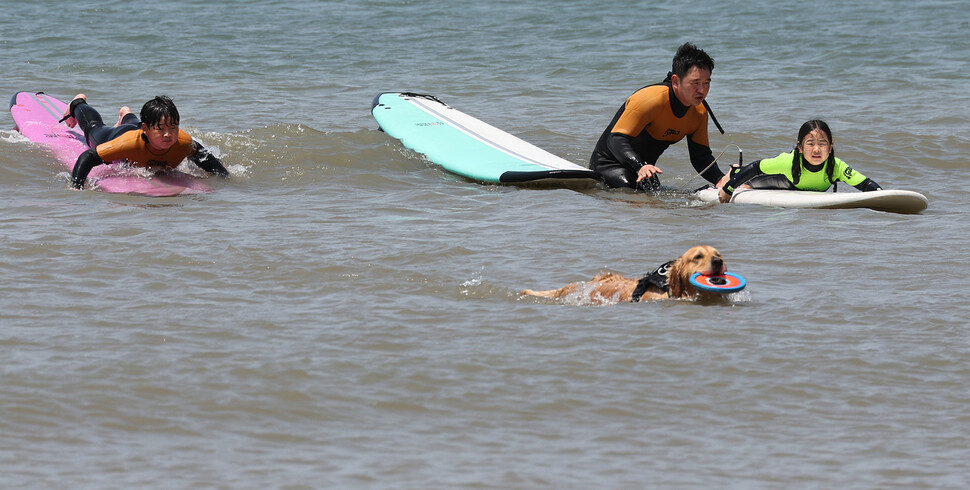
(154, 142)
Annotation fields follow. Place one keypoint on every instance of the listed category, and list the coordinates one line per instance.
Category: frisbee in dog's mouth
(720, 283)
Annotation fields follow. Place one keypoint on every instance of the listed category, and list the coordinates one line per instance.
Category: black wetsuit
(110, 143)
(649, 122)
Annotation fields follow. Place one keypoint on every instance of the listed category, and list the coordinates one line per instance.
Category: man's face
(692, 89)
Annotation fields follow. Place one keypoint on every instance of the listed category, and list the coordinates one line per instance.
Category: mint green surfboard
(467, 146)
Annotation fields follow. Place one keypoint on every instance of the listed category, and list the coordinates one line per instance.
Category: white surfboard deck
(890, 200)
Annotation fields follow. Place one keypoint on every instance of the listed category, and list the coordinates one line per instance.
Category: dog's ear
(675, 279)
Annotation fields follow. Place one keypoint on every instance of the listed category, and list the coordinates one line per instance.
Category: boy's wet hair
(159, 109)
(688, 56)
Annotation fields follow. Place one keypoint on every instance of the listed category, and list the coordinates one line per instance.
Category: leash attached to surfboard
(740, 164)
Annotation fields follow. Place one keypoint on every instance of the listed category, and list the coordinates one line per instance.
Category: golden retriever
(607, 287)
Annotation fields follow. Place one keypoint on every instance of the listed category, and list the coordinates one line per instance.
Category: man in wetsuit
(656, 117)
(154, 142)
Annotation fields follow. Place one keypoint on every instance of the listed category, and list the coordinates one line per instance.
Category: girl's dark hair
(687, 56)
(796, 163)
(158, 109)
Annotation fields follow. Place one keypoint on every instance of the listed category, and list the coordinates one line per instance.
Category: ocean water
(341, 313)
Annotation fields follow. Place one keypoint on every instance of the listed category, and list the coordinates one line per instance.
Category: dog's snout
(717, 261)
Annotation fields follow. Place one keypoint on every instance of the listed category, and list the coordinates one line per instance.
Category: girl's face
(815, 147)
(163, 136)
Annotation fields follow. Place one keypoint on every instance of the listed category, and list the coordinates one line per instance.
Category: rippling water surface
(342, 313)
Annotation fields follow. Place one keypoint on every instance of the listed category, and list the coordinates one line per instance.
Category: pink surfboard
(36, 115)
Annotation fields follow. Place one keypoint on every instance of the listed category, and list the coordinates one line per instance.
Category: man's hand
(648, 171)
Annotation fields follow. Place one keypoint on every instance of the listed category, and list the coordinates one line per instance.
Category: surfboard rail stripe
(520, 177)
(46, 103)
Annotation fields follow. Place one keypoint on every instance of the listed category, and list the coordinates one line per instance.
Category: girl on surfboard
(811, 166)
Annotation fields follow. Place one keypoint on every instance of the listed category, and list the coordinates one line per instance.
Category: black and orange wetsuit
(649, 121)
(127, 142)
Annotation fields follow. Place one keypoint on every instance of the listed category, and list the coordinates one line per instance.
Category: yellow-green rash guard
(811, 178)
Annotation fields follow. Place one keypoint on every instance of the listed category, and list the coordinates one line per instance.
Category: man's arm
(702, 159)
(621, 146)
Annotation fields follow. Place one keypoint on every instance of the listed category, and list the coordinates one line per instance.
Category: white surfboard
(891, 200)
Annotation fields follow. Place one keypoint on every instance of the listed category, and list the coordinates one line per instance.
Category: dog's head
(703, 259)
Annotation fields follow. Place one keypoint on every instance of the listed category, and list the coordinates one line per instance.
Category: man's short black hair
(689, 56)
(158, 109)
